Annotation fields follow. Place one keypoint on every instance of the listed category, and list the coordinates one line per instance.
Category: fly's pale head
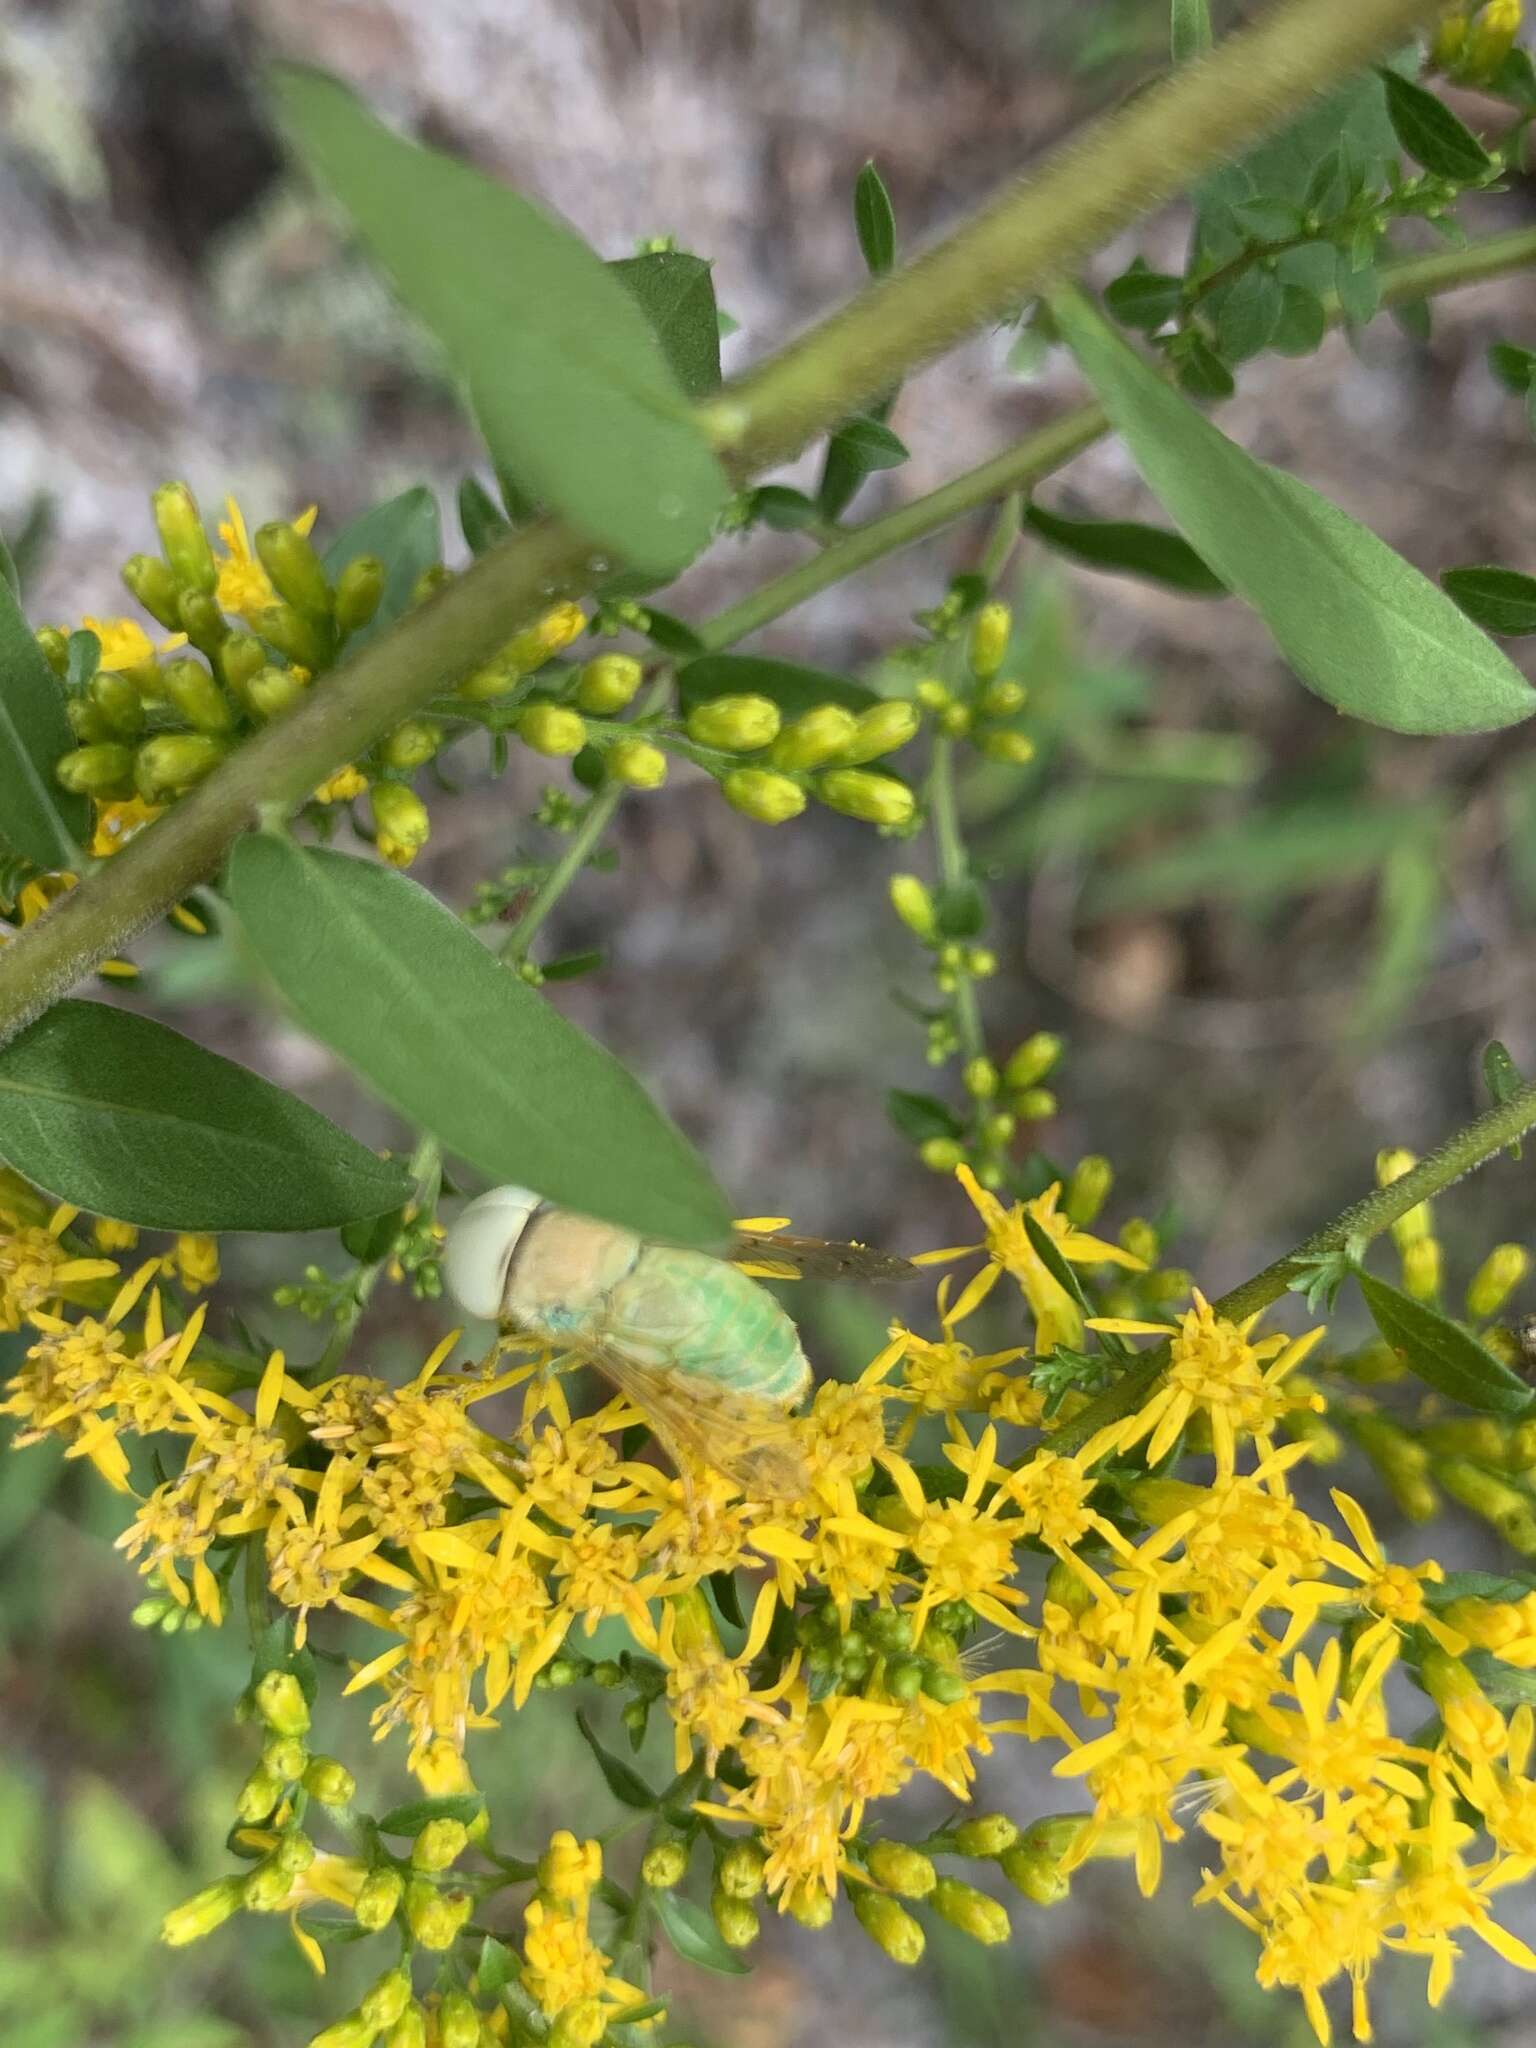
(478, 1256)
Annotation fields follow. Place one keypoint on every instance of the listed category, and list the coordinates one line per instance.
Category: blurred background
(1273, 947)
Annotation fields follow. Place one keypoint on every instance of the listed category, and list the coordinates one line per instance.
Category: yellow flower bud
(941, 1155)
(293, 568)
(1037, 1873)
(1017, 748)
(913, 904)
(581, 2025)
(1490, 41)
(192, 691)
(877, 799)
(152, 583)
(329, 1782)
(569, 1869)
(350, 2031)
(990, 630)
(1088, 1189)
(608, 682)
(294, 634)
(901, 1869)
(1001, 699)
(359, 589)
(273, 692)
(735, 1919)
(401, 820)
(104, 768)
(1503, 1506)
(378, 1898)
(1497, 1278)
(761, 794)
(267, 1887)
(1033, 1060)
(1487, 1624)
(410, 2030)
(820, 736)
(932, 694)
(1391, 1165)
(988, 1834)
(881, 730)
(983, 1919)
(382, 2004)
(458, 2021)
(664, 1865)
(257, 1796)
(55, 646)
(279, 1700)
(739, 1873)
(637, 764)
(889, 1926)
(1449, 40)
(736, 725)
(180, 526)
(980, 1078)
(435, 1918)
(1035, 1105)
(498, 678)
(810, 1905)
(1421, 1268)
(202, 1913)
(552, 729)
(294, 1853)
(174, 761)
(413, 744)
(441, 1843)
(955, 720)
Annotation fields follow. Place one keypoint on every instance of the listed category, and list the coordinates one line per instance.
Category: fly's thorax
(706, 1318)
(564, 1269)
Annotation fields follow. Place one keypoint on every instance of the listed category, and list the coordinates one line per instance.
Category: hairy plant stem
(1481, 1140)
(1034, 234)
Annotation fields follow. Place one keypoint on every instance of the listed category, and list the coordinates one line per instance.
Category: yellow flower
(37, 1267)
(116, 823)
(244, 586)
(342, 787)
(194, 1259)
(125, 644)
(1393, 1594)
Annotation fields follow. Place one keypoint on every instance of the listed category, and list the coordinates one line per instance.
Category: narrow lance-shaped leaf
(1130, 549)
(1189, 29)
(622, 1780)
(568, 381)
(1360, 625)
(1502, 1078)
(37, 818)
(694, 1935)
(1499, 600)
(126, 1118)
(1430, 133)
(874, 221)
(677, 295)
(382, 973)
(1441, 1353)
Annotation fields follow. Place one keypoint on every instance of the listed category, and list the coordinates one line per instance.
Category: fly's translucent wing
(750, 1440)
(774, 1255)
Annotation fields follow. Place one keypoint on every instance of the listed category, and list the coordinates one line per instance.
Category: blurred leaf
(694, 1935)
(1502, 1078)
(1506, 1685)
(1202, 373)
(1515, 78)
(921, 1117)
(794, 689)
(1359, 289)
(1408, 911)
(1514, 367)
(30, 541)
(1359, 624)
(37, 818)
(1518, 802)
(626, 1784)
(1302, 324)
(8, 571)
(1189, 29)
(1430, 133)
(1131, 549)
(1415, 318)
(111, 1856)
(874, 221)
(568, 382)
(411, 1818)
(407, 536)
(1144, 299)
(677, 294)
(481, 519)
(1248, 313)
(126, 1118)
(786, 511)
(1499, 600)
(496, 1968)
(1440, 1352)
(458, 1043)
(672, 636)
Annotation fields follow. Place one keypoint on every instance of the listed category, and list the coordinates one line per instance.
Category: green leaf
(411, 1818)
(9, 574)
(1514, 367)
(1515, 78)
(1507, 1685)
(1474, 1585)
(1144, 299)
(960, 910)
(677, 294)
(1048, 1252)
(37, 818)
(127, 1118)
(786, 511)
(1430, 133)
(481, 519)
(379, 971)
(1130, 549)
(671, 635)
(1359, 289)
(570, 386)
(1361, 626)
(1202, 373)
(1248, 313)
(874, 220)
(1302, 324)
(694, 1935)
(1189, 29)
(1502, 1078)
(723, 1584)
(626, 1784)
(1499, 600)
(920, 1117)
(495, 1969)
(794, 689)
(406, 534)
(871, 444)
(1441, 1353)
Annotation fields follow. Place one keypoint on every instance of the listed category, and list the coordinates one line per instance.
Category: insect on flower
(706, 1353)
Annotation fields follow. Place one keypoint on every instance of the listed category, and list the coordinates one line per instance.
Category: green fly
(704, 1352)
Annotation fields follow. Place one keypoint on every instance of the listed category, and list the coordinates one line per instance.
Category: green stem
(1483, 1139)
(953, 871)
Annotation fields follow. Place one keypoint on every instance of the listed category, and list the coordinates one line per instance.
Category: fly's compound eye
(481, 1242)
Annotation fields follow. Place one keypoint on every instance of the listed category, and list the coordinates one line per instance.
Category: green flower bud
(761, 794)
(401, 819)
(987, 1834)
(267, 1888)
(295, 1852)
(202, 1913)
(180, 526)
(413, 744)
(279, 1699)
(904, 1675)
(881, 730)
(85, 722)
(664, 1865)
(990, 630)
(151, 584)
(739, 1873)
(410, 2030)
(736, 725)
(1000, 1127)
(378, 1899)
(552, 729)
(955, 720)
(458, 2021)
(117, 703)
(810, 1905)
(735, 1919)
(359, 588)
(294, 568)
(258, 1796)
(637, 764)
(1496, 1279)
(941, 1155)
(430, 582)
(902, 1869)
(192, 691)
(888, 1925)
(55, 648)
(932, 694)
(1088, 1189)
(941, 1684)
(980, 1077)
(174, 761)
(913, 904)
(435, 1918)
(1014, 747)
(240, 657)
(102, 769)
(329, 1782)
(607, 683)
(983, 1919)
(202, 621)
(382, 2004)
(273, 692)
(498, 678)
(1033, 1060)
(877, 799)
(1003, 698)
(441, 1843)
(1036, 1871)
(822, 735)
(293, 634)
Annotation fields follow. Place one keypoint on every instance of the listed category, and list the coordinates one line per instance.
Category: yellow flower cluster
(1200, 1651)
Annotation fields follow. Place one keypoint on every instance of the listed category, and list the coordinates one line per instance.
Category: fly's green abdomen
(703, 1317)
